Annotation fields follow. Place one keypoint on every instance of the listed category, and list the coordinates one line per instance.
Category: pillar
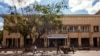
(65, 41)
(21, 42)
(98, 41)
(45, 42)
(68, 38)
(68, 42)
(79, 37)
(91, 36)
(4, 42)
(91, 41)
(79, 42)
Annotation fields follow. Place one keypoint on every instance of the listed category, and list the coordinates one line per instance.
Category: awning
(57, 36)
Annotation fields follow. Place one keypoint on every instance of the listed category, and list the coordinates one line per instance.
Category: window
(73, 28)
(63, 29)
(96, 28)
(53, 29)
(84, 29)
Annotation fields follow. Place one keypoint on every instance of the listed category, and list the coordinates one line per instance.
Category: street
(53, 53)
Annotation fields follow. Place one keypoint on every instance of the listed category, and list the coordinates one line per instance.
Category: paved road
(53, 53)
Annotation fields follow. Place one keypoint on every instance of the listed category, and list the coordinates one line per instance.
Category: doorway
(74, 42)
(95, 42)
(13, 42)
(56, 42)
(85, 42)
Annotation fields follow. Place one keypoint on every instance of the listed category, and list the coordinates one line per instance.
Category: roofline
(2, 15)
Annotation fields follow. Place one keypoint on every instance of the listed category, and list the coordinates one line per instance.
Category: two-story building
(78, 31)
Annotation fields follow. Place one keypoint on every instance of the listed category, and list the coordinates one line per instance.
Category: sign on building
(57, 36)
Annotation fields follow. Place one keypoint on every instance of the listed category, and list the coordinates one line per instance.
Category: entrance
(55, 42)
(85, 42)
(12, 42)
(74, 42)
(28, 42)
(95, 42)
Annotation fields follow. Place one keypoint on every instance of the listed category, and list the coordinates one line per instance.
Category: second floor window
(73, 28)
(84, 29)
(64, 28)
(96, 28)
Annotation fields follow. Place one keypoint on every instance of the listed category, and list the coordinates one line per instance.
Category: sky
(74, 6)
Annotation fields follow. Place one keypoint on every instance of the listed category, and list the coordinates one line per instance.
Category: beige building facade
(78, 31)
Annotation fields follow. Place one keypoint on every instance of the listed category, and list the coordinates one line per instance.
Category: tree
(1, 36)
(19, 24)
(47, 17)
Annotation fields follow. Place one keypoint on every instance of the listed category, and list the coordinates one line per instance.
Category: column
(68, 42)
(65, 42)
(79, 37)
(4, 43)
(91, 36)
(21, 42)
(98, 41)
(79, 42)
(91, 41)
(45, 42)
(68, 39)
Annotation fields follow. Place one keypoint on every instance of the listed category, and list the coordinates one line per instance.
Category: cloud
(76, 5)
(1, 7)
(1, 24)
(94, 9)
(20, 5)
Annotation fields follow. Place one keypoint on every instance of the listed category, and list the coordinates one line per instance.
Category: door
(95, 42)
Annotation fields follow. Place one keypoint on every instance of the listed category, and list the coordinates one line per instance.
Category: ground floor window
(74, 42)
(13, 42)
(39, 42)
(56, 42)
(85, 42)
(28, 42)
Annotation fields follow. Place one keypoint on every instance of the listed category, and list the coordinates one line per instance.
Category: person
(35, 49)
(73, 49)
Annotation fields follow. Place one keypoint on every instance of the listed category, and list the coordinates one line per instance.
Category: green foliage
(47, 18)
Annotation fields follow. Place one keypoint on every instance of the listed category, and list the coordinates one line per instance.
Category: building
(78, 31)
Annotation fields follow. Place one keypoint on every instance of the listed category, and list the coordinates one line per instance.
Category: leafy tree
(19, 24)
(47, 17)
(1, 36)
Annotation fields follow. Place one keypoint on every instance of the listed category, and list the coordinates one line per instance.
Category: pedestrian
(35, 49)
(73, 49)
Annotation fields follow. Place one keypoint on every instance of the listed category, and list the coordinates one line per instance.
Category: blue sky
(75, 6)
